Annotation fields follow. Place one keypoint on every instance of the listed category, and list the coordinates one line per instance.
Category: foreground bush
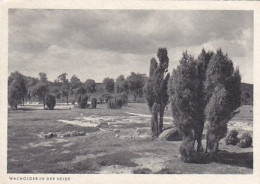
(245, 141)
(232, 138)
(50, 102)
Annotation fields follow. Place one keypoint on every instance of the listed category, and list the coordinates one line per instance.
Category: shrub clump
(232, 138)
(124, 98)
(83, 101)
(94, 103)
(115, 103)
(245, 141)
(50, 102)
(143, 171)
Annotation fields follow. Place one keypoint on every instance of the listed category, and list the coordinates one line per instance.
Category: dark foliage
(245, 141)
(184, 89)
(121, 84)
(155, 90)
(105, 97)
(109, 85)
(83, 101)
(15, 94)
(124, 98)
(90, 86)
(115, 103)
(232, 138)
(93, 103)
(17, 90)
(247, 94)
(136, 82)
(223, 96)
(50, 101)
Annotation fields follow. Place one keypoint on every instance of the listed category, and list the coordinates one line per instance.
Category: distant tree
(40, 91)
(156, 89)
(121, 84)
(50, 101)
(54, 88)
(22, 83)
(64, 88)
(90, 86)
(79, 92)
(43, 77)
(136, 82)
(184, 92)
(109, 85)
(30, 84)
(15, 93)
(83, 101)
(124, 98)
(223, 95)
(74, 84)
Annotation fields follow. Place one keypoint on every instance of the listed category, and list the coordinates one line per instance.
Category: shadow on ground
(236, 159)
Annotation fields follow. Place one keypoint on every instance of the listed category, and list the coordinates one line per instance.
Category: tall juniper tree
(184, 94)
(155, 90)
(223, 96)
(202, 64)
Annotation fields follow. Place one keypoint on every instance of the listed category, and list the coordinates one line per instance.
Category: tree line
(203, 90)
(23, 88)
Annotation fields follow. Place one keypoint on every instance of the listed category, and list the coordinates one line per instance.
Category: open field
(114, 141)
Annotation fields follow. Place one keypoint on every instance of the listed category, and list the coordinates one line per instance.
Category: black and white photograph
(130, 91)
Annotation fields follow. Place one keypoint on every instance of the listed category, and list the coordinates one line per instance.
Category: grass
(102, 148)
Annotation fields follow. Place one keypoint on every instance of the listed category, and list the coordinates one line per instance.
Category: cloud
(98, 43)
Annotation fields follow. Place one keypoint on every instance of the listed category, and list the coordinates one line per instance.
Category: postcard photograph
(95, 91)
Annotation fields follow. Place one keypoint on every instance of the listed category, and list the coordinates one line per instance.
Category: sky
(94, 44)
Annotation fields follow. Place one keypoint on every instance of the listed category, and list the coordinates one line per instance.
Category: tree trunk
(198, 137)
(162, 107)
(134, 97)
(43, 102)
(67, 100)
(154, 121)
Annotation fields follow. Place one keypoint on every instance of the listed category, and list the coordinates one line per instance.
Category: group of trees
(21, 88)
(133, 83)
(206, 89)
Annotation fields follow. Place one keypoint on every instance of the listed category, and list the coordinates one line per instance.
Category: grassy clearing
(103, 150)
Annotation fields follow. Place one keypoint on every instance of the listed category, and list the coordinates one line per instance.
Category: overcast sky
(94, 44)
